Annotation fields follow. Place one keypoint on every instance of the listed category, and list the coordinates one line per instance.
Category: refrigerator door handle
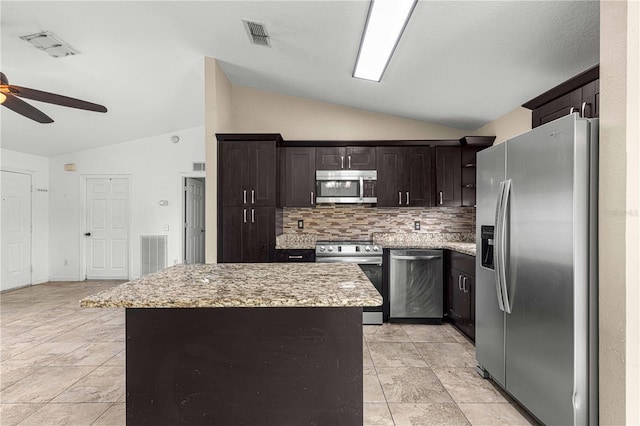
(496, 248)
(503, 244)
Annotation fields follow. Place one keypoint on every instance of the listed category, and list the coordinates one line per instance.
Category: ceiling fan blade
(23, 108)
(3, 79)
(52, 98)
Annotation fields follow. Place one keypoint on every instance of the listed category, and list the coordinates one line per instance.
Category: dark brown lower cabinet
(248, 234)
(461, 293)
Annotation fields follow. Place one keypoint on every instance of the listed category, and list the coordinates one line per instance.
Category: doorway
(194, 220)
(16, 230)
(106, 231)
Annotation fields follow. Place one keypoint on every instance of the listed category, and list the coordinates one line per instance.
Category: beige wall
(217, 120)
(618, 214)
(509, 125)
(258, 111)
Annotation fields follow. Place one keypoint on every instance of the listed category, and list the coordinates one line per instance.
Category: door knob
(87, 234)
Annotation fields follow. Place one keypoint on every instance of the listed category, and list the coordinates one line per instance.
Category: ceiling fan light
(51, 44)
(385, 23)
(2, 98)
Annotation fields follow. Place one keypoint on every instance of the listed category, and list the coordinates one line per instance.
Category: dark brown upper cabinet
(405, 176)
(247, 172)
(346, 158)
(299, 179)
(448, 176)
(579, 94)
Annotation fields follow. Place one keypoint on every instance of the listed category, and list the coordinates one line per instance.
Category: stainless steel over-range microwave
(346, 186)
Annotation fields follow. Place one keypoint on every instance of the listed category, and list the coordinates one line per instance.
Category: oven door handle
(357, 260)
(415, 257)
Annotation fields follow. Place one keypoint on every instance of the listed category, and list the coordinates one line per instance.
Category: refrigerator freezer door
(541, 363)
(490, 320)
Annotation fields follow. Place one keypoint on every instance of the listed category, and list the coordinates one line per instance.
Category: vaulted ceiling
(459, 63)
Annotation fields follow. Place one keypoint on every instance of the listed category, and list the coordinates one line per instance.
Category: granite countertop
(459, 242)
(233, 285)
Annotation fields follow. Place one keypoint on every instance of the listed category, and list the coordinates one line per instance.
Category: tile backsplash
(334, 222)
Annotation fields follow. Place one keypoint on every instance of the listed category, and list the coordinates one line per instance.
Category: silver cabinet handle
(464, 285)
(440, 197)
(295, 257)
(349, 161)
(572, 110)
(253, 196)
(311, 197)
(244, 214)
(583, 109)
(361, 189)
(342, 162)
(460, 282)
(253, 216)
(399, 198)
(407, 197)
(244, 196)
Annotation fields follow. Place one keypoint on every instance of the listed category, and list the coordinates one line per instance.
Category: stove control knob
(367, 248)
(321, 248)
(375, 248)
(330, 249)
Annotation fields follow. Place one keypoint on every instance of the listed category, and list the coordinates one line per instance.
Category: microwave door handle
(342, 162)
(361, 189)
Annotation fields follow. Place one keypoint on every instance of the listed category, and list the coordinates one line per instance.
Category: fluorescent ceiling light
(385, 24)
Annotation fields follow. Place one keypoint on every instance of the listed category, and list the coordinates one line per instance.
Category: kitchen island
(276, 343)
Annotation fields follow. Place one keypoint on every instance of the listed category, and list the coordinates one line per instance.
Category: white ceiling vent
(257, 33)
(51, 44)
(198, 167)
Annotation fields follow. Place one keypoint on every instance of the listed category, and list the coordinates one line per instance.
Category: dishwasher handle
(398, 257)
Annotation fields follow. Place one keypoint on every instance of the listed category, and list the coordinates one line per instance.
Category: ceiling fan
(10, 97)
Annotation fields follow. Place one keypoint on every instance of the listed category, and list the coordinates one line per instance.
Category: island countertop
(234, 285)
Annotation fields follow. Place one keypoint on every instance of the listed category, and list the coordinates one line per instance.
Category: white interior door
(194, 220)
(16, 230)
(107, 228)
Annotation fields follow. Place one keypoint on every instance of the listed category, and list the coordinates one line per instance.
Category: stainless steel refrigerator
(536, 269)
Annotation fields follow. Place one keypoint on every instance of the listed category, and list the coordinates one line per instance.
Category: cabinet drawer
(463, 262)
(296, 255)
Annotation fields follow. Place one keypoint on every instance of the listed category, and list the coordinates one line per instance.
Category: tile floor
(62, 365)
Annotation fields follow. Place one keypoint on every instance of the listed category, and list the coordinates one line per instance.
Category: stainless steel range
(363, 253)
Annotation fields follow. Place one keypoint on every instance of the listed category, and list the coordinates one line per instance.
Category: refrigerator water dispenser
(486, 233)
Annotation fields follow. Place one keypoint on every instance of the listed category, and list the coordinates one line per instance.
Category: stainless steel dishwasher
(416, 286)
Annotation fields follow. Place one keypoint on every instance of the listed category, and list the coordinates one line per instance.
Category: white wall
(38, 167)
(155, 166)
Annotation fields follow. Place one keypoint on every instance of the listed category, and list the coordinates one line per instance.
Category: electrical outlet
(416, 225)
(300, 224)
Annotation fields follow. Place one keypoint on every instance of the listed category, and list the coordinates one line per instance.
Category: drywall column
(618, 213)
(217, 107)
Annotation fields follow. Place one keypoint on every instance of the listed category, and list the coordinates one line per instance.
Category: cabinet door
(330, 158)
(418, 177)
(300, 177)
(448, 176)
(390, 176)
(262, 240)
(233, 236)
(262, 174)
(234, 172)
(557, 108)
(360, 158)
(468, 287)
(460, 300)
